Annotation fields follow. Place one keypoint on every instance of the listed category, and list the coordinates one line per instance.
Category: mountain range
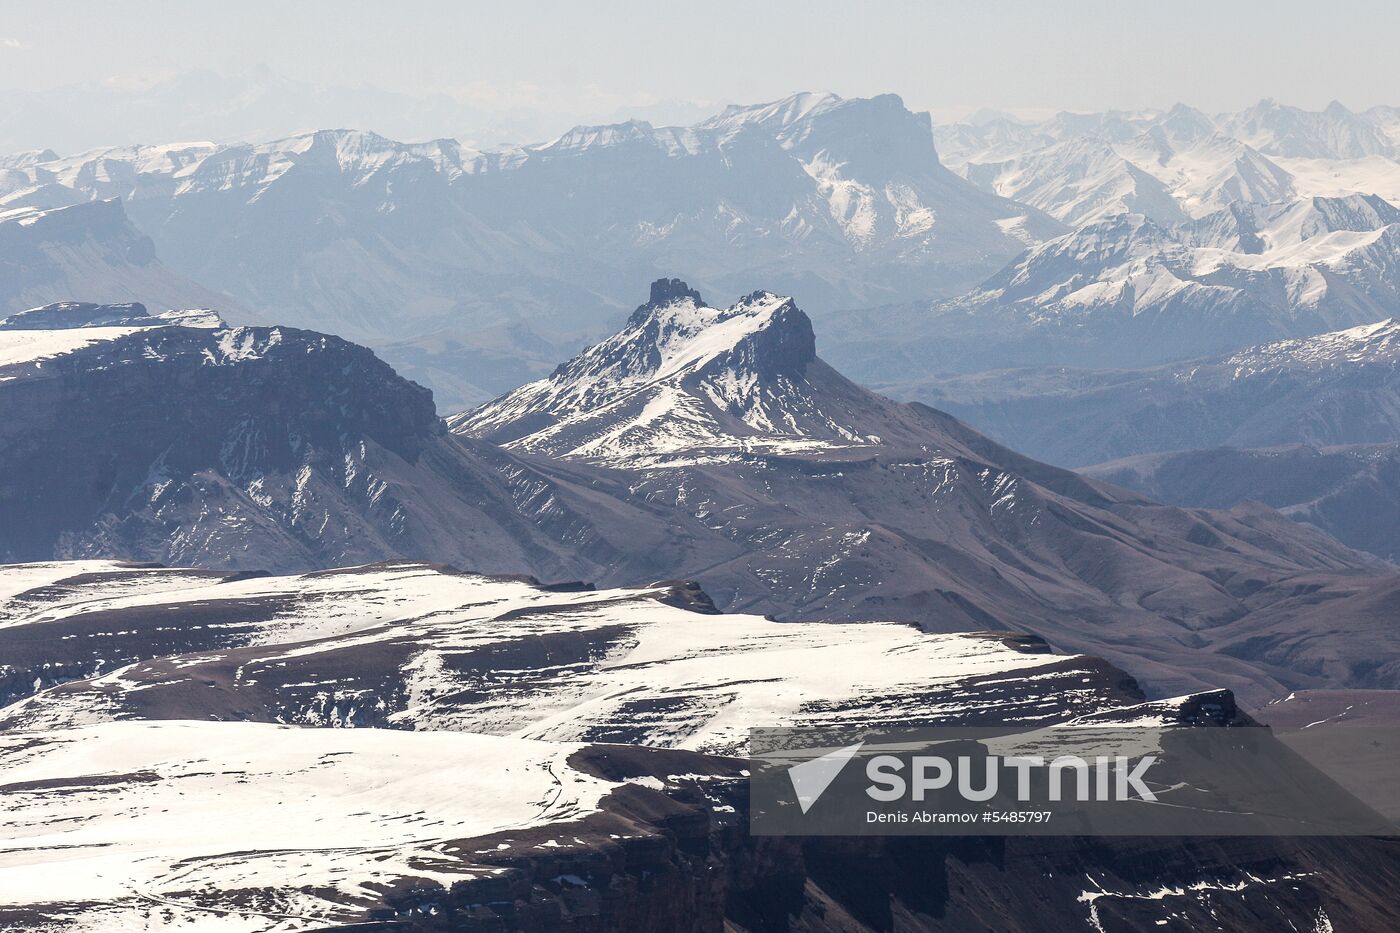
(1088, 240)
(700, 443)
(1306, 426)
(1192, 235)
(1102, 430)
(1126, 292)
(1176, 163)
(473, 269)
(1329, 389)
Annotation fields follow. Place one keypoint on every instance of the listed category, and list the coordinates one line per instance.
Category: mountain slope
(1334, 388)
(82, 252)
(424, 647)
(1352, 491)
(701, 443)
(839, 503)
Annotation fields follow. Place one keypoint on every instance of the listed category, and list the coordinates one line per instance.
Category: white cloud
(11, 43)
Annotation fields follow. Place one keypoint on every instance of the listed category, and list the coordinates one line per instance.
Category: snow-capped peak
(1186, 124)
(680, 378)
(677, 332)
(676, 335)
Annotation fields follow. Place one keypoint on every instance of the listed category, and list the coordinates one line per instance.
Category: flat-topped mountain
(525, 756)
(184, 440)
(407, 645)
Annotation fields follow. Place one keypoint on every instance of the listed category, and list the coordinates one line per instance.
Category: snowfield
(256, 827)
(118, 812)
(410, 646)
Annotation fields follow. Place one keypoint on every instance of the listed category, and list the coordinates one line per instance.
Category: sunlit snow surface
(1179, 210)
(628, 667)
(1369, 343)
(35, 346)
(117, 820)
(36, 336)
(283, 828)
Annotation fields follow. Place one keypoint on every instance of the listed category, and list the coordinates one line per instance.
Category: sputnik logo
(811, 778)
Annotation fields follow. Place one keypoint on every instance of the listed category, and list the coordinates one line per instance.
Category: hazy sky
(582, 61)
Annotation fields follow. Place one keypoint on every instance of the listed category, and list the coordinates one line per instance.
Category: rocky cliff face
(253, 448)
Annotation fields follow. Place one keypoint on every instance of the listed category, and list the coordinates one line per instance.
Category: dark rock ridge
(668, 291)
